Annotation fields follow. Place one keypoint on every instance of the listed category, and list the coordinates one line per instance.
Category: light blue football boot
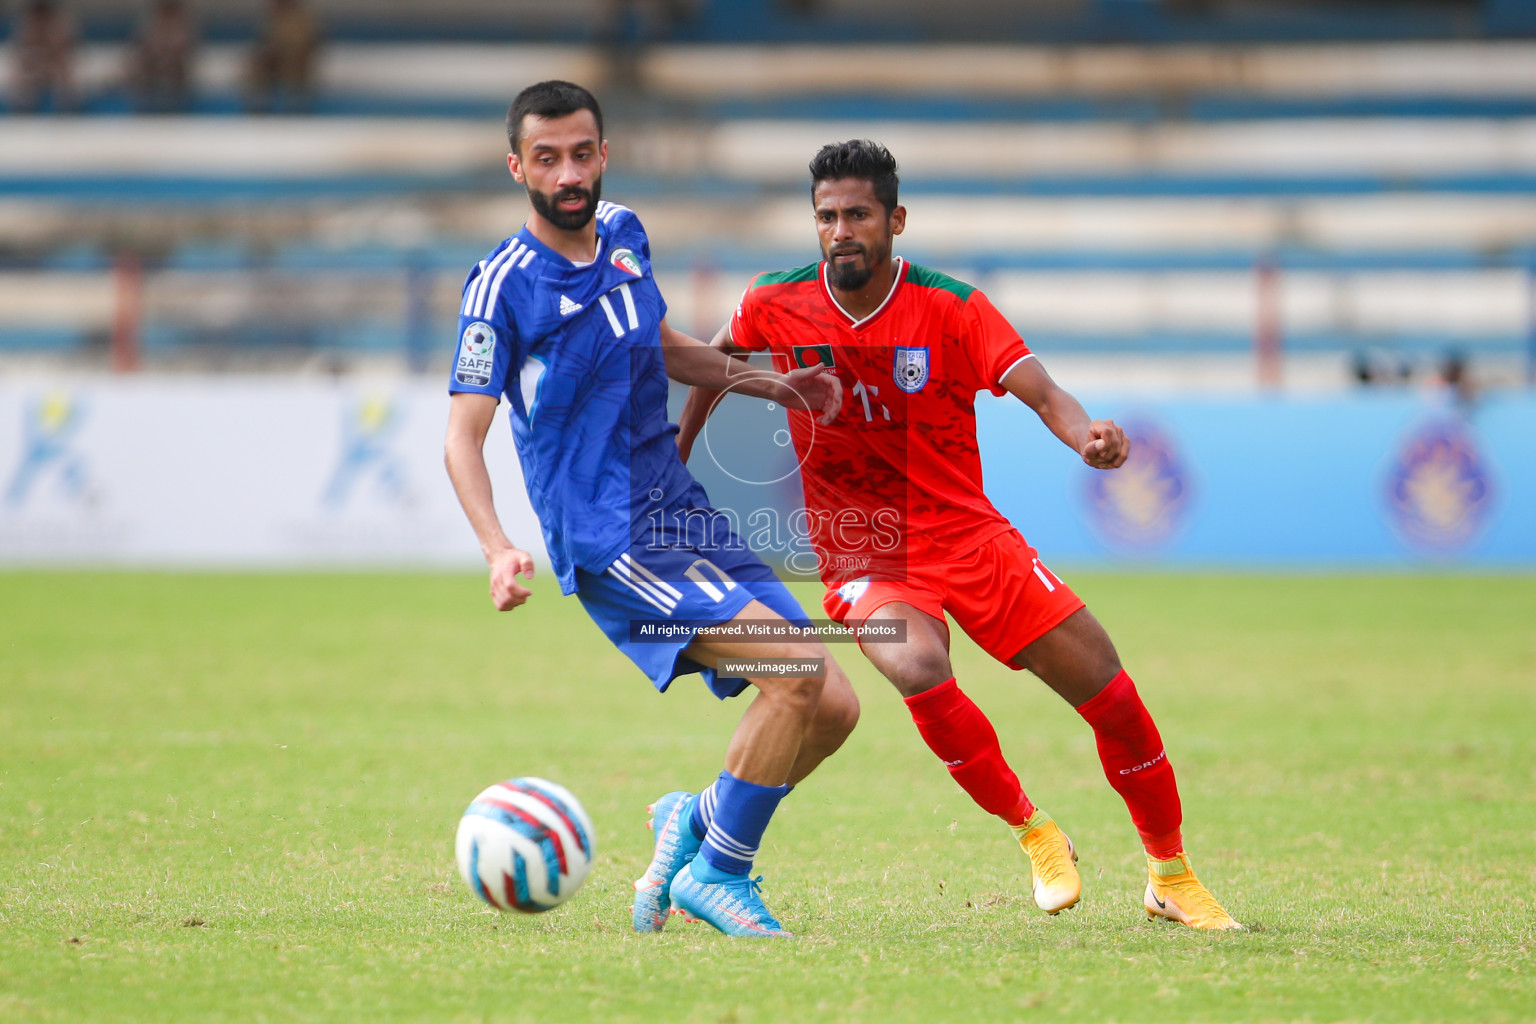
(732, 905)
(675, 847)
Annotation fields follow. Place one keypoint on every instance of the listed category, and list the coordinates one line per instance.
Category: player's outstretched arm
(701, 402)
(690, 361)
(1101, 443)
(469, 420)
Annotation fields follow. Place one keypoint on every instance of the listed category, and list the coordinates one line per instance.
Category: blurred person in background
(160, 63)
(1454, 379)
(1377, 368)
(43, 48)
(627, 27)
(282, 67)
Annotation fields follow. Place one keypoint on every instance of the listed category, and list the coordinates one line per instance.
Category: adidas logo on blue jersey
(567, 307)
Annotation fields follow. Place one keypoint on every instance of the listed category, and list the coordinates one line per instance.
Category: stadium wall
(222, 472)
(1390, 479)
(212, 472)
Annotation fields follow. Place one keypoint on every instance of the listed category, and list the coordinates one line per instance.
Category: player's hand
(816, 388)
(1107, 446)
(506, 567)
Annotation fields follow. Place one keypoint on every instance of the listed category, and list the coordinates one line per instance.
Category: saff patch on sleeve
(477, 355)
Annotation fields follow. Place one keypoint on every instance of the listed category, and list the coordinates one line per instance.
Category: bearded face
(856, 231)
(570, 208)
(851, 265)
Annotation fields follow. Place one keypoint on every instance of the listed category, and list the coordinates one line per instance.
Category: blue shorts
(685, 590)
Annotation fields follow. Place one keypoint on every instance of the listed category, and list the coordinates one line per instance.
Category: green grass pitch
(233, 798)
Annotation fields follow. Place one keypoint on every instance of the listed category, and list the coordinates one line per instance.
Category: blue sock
(702, 811)
(740, 817)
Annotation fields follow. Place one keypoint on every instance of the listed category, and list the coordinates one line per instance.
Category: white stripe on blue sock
(741, 813)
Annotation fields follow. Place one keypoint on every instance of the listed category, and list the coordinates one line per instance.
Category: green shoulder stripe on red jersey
(926, 278)
(806, 273)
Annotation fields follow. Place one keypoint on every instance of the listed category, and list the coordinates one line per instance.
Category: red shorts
(1000, 594)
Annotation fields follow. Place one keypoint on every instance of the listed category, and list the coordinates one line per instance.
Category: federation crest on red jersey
(911, 368)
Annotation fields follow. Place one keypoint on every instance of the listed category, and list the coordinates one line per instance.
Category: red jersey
(898, 475)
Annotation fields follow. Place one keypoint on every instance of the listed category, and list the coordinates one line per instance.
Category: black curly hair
(862, 160)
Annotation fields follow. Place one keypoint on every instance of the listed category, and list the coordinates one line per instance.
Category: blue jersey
(577, 352)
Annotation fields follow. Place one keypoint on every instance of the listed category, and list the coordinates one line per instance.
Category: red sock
(956, 730)
(1136, 765)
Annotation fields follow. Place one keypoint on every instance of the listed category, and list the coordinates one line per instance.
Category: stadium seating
(1114, 199)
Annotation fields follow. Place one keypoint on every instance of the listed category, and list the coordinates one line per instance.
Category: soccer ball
(525, 844)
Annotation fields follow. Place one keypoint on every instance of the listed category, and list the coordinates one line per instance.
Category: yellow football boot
(1053, 861)
(1174, 892)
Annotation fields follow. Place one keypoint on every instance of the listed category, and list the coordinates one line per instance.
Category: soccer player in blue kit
(565, 320)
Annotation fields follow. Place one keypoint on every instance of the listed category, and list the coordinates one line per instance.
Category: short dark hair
(550, 100)
(860, 159)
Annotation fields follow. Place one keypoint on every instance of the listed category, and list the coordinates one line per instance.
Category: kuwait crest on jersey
(911, 368)
(626, 261)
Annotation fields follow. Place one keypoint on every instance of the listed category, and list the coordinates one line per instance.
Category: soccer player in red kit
(903, 530)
